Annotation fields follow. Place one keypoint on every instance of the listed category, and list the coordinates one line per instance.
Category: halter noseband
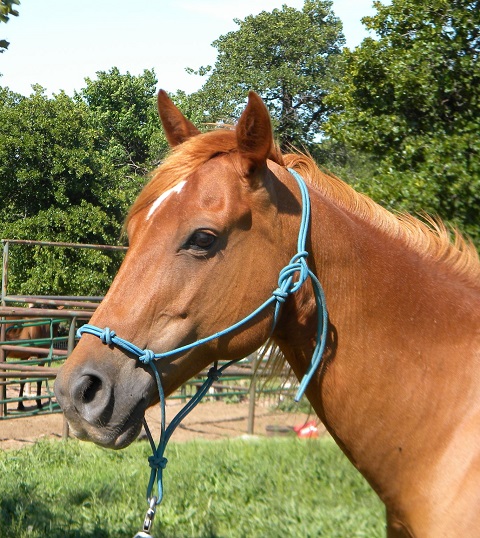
(286, 286)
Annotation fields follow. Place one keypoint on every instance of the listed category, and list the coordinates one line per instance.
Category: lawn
(224, 489)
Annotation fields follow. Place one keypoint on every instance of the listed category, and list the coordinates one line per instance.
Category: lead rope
(157, 460)
(286, 286)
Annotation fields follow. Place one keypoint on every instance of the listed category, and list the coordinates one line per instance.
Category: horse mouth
(111, 435)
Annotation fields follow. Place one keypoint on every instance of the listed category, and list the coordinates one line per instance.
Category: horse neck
(389, 319)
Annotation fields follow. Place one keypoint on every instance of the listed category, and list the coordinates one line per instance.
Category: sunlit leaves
(289, 56)
(69, 170)
(7, 9)
(411, 100)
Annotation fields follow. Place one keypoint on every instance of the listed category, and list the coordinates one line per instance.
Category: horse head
(208, 236)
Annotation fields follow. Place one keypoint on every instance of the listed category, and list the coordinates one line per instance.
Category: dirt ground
(209, 420)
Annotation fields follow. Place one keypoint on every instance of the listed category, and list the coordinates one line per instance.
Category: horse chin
(108, 436)
(127, 437)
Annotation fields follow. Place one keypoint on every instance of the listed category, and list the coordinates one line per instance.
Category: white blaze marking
(164, 196)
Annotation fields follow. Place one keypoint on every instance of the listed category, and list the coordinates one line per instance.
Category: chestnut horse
(399, 384)
(27, 329)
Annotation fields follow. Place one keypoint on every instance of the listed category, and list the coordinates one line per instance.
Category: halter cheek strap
(286, 286)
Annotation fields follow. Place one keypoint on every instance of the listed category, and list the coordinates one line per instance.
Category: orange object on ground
(308, 430)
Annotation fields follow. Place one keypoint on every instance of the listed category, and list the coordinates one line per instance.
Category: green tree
(411, 101)
(47, 270)
(123, 108)
(57, 185)
(69, 170)
(49, 156)
(289, 57)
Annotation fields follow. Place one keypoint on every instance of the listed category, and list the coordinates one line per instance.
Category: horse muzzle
(104, 403)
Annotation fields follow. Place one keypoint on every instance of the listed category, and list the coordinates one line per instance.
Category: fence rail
(27, 362)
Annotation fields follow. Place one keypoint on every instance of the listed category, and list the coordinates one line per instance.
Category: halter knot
(214, 374)
(280, 295)
(147, 356)
(157, 462)
(286, 286)
(107, 335)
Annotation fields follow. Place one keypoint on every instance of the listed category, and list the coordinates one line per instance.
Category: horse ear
(254, 136)
(177, 127)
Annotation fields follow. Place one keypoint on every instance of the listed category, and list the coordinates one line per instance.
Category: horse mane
(429, 237)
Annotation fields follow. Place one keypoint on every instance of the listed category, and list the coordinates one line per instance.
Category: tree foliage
(411, 101)
(289, 57)
(48, 155)
(7, 9)
(47, 270)
(125, 118)
(69, 170)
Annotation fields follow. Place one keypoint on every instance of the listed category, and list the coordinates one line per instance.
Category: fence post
(4, 271)
(70, 347)
(3, 388)
(251, 397)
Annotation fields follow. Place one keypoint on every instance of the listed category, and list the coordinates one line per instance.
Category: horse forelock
(430, 238)
(184, 160)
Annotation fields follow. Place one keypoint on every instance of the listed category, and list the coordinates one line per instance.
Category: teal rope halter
(286, 286)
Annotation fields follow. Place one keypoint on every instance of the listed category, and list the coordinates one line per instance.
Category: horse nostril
(92, 397)
(92, 386)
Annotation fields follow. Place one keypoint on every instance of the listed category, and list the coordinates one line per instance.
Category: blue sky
(58, 43)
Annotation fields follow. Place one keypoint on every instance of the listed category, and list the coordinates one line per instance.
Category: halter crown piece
(286, 286)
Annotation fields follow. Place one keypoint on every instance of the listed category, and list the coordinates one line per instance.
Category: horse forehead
(177, 189)
(215, 180)
(218, 179)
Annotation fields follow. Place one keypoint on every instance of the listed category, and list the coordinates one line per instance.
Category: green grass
(228, 489)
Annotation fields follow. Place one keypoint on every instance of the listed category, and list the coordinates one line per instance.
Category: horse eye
(201, 240)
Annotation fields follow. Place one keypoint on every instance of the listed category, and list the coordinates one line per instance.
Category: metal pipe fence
(28, 362)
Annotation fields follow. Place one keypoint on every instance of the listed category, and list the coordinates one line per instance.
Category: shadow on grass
(21, 518)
